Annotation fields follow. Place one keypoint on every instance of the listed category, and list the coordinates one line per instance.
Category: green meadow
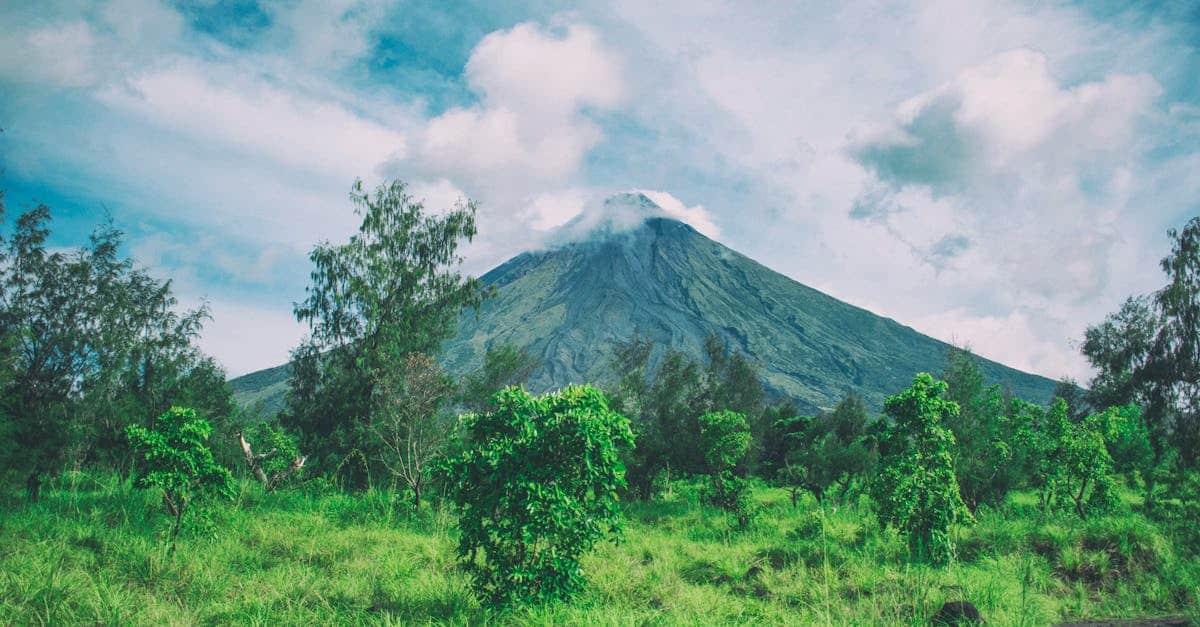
(93, 551)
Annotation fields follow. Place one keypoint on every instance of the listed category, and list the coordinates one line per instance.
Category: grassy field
(92, 551)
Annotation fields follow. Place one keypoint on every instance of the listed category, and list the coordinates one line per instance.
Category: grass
(93, 551)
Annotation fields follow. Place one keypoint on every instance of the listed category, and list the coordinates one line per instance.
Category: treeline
(100, 370)
(89, 344)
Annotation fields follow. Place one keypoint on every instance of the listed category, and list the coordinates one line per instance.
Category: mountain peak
(624, 212)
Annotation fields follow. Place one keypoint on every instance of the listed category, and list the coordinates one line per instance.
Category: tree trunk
(255, 464)
(33, 486)
(175, 532)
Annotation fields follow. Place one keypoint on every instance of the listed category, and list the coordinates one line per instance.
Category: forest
(135, 490)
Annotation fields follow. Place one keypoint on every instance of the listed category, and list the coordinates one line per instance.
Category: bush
(724, 441)
(916, 490)
(174, 457)
(537, 485)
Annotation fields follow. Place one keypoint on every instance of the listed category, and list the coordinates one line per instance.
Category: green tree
(1127, 440)
(986, 461)
(829, 451)
(537, 487)
(174, 457)
(1148, 353)
(731, 380)
(915, 489)
(1076, 468)
(392, 290)
(282, 459)
(665, 401)
(503, 366)
(95, 343)
(725, 441)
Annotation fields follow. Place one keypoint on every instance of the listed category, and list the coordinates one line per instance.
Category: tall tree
(916, 490)
(985, 430)
(1148, 352)
(829, 451)
(1173, 370)
(94, 343)
(392, 290)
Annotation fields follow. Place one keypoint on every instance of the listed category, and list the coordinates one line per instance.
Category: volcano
(633, 271)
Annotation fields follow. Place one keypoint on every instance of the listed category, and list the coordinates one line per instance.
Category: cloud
(554, 209)
(1033, 167)
(1003, 118)
(250, 114)
(696, 216)
(531, 127)
(70, 44)
(622, 212)
(244, 338)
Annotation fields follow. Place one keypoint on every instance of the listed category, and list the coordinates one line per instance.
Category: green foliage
(392, 290)
(1127, 440)
(1149, 351)
(826, 451)
(915, 489)
(538, 488)
(282, 449)
(724, 442)
(991, 460)
(1076, 468)
(664, 402)
(92, 343)
(174, 457)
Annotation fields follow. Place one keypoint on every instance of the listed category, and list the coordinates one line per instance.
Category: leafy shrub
(537, 485)
(916, 490)
(1076, 468)
(174, 457)
(724, 441)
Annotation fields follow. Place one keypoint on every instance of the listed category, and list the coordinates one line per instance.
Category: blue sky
(1000, 174)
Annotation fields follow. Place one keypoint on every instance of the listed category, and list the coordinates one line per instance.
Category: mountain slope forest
(636, 426)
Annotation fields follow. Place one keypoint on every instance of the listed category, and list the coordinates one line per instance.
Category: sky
(994, 174)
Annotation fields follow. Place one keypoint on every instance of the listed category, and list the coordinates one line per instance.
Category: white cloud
(251, 114)
(324, 33)
(554, 209)
(697, 216)
(437, 196)
(1012, 339)
(1008, 117)
(621, 212)
(1013, 181)
(52, 44)
(531, 128)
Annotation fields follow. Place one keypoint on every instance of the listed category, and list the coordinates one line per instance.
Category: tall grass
(92, 552)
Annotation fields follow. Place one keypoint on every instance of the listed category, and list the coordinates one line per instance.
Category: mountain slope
(663, 280)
